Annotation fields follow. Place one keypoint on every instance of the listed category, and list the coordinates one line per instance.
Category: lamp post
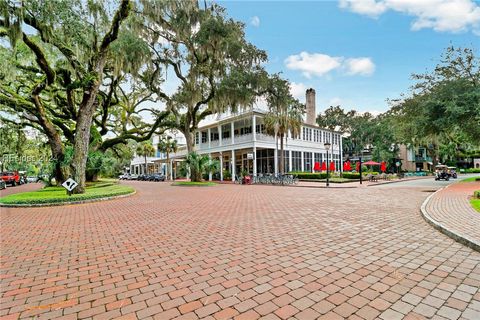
(327, 147)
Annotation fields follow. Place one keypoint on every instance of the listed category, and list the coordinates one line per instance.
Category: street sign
(249, 155)
(397, 163)
(70, 184)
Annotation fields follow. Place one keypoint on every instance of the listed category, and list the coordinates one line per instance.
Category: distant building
(414, 158)
(137, 165)
(476, 163)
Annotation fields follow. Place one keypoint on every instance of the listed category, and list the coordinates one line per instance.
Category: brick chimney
(310, 104)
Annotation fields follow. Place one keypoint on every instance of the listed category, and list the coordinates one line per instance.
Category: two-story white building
(241, 144)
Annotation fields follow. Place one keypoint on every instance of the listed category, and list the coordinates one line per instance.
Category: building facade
(242, 145)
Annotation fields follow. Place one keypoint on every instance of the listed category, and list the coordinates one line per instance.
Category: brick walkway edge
(449, 211)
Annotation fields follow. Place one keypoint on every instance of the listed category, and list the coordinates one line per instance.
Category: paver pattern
(451, 208)
(242, 252)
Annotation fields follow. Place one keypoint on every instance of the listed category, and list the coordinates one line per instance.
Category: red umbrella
(383, 166)
(324, 166)
(371, 163)
(332, 166)
(316, 166)
(347, 166)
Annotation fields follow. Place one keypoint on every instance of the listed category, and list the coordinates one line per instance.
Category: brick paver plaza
(462, 220)
(240, 252)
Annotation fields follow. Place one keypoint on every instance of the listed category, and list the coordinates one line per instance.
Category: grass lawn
(475, 204)
(194, 184)
(47, 195)
(471, 179)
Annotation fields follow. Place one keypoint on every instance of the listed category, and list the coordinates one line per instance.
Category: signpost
(69, 184)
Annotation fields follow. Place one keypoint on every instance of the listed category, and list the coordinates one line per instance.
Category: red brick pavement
(241, 252)
(451, 208)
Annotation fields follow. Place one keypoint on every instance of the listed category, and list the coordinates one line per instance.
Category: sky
(356, 54)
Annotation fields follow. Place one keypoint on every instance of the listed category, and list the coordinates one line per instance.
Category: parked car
(11, 177)
(23, 178)
(132, 177)
(156, 177)
(142, 177)
(32, 179)
(124, 176)
(3, 185)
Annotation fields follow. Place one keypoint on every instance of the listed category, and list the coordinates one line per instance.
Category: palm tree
(167, 145)
(284, 115)
(145, 149)
(197, 165)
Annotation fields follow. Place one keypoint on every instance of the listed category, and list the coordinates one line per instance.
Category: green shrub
(351, 175)
(476, 194)
(310, 175)
(472, 170)
(58, 194)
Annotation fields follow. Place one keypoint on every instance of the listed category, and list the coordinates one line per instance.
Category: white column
(254, 128)
(221, 165)
(170, 166)
(341, 154)
(220, 135)
(290, 165)
(232, 162)
(232, 127)
(210, 172)
(209, 138)
(254, 161)
(312, 161)
(275, 156)
(301, 157)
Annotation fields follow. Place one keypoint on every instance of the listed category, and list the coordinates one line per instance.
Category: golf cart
(452, 171)
(441, 172)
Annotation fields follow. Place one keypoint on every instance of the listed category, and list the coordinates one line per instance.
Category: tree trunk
(82, 139)
(282, 155)
(189, 139)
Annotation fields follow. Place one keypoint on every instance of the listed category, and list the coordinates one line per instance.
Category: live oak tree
(208, 56)
(80, 34)
(121, 100)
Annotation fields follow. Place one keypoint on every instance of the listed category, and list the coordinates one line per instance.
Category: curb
(399, 180)
(461, 238)
(57, 204)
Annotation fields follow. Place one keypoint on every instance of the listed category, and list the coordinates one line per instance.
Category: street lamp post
(327, 147)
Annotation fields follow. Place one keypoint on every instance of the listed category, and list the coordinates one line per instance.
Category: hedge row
(323, 175)
(472, 170)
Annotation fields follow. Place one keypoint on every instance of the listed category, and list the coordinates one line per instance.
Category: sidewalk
(449, 210)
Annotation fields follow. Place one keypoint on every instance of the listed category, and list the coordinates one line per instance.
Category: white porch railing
(243, 138)
(265, 137)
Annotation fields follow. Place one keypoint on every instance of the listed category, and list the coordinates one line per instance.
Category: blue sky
(356, 53)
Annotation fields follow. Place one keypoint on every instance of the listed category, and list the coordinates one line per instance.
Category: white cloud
(439, 15)
(318, 64)
(361, 66)
(369, 8)
(313, 64)
(298, 90)
(255, 21)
